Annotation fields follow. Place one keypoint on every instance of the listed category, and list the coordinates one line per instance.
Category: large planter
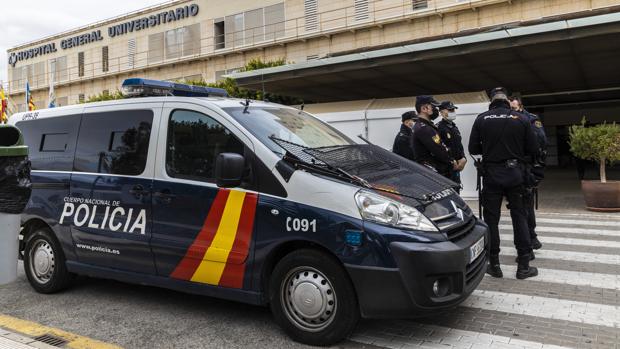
(601, 197)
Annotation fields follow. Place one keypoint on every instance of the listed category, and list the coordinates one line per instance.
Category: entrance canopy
(564, 62)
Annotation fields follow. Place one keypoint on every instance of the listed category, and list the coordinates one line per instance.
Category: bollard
(15, 188)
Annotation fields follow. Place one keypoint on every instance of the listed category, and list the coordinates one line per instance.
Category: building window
(39, 74)
(156, 48)
(219, 40)
(105, 64)
(131, 53)
(191, 39)
(274, 21)
(174, 40)
(62, 101)
(419, 4)
(361, 9)
(311, 14)
(80, 64)
(254, 22)
(60, 69)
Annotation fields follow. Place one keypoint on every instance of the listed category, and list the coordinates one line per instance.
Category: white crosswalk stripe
(532, 300)
(569, 241)
(589, 222)
(568, 230)
(574, 278)
(551, 308)
(444, 337)
(568, 256)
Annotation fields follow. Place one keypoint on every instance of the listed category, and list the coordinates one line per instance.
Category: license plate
(476, 249)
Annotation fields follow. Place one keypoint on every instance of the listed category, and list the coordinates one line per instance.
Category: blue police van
(251, 201)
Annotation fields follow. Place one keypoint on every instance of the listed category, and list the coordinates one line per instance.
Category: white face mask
(451, 116)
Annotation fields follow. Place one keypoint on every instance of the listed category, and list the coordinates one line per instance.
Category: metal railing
(330, 21)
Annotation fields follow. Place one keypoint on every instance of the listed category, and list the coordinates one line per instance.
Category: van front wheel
(312, 298)
(44, 263)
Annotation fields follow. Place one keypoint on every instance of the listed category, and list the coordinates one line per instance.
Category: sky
(27, 20)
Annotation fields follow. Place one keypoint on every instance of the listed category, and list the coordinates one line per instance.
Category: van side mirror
(229, 168)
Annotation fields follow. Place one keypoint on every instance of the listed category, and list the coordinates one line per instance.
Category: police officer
(505, 139)
(537, 168)
(428, 147)
(451, 137)
(403, 143)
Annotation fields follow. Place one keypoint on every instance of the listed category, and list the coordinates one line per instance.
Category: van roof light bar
(137, 87)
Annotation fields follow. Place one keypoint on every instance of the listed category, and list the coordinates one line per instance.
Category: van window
(194, 142)
(114, 142)
(51, 141)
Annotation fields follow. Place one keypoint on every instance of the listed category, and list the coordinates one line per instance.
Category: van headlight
(379, 209)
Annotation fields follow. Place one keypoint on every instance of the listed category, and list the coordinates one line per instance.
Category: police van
(245, 200)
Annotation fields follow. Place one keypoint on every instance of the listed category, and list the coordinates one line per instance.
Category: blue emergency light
(137, 87)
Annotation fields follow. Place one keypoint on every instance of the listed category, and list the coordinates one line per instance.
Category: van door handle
(138, 191)
(165, 195)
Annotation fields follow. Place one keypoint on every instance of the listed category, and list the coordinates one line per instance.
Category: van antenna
(246, 105)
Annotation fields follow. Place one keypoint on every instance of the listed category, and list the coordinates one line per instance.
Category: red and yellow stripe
(218, 254)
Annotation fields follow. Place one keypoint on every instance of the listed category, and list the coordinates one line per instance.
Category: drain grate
(51, 340)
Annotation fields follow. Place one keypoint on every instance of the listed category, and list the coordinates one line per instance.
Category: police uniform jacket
(403, 143)
(451, 137)
(501, 134)
(429, 148)
(541, 139)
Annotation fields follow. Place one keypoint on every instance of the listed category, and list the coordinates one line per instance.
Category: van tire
(51, 274)
(329, 298)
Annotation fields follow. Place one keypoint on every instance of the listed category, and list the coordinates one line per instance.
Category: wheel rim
(42, 261)
(309, 299)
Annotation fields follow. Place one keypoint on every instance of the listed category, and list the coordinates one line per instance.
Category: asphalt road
(134, 316)
(574, 302)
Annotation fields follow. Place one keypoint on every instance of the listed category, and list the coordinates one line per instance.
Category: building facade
(207, 39)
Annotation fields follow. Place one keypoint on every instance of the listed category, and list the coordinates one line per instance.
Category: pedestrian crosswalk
(574, 302)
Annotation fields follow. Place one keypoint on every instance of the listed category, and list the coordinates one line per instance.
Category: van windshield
(289, 124)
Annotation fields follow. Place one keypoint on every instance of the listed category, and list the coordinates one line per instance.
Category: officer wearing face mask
(428, 146)
(451, 137)
(403, 143)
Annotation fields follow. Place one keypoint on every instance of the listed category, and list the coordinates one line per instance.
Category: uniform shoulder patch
(538, 124)
(436, 139)
(448, 135)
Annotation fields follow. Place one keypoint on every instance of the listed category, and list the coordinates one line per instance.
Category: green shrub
(600, 143)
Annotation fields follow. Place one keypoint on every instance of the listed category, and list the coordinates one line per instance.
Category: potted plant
(600, 143)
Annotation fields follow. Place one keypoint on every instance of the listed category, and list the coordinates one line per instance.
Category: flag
(3, 106)
(29, 100)
(52, 95)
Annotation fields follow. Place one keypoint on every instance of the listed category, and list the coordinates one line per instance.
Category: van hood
(384, 171)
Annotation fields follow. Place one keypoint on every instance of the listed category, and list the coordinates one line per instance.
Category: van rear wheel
(44, 263)
(312, 298)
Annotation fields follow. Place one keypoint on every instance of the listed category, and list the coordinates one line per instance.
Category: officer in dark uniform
(451, 137)
(428, 147)
(505, 140)
(403, 143)
(537, 168)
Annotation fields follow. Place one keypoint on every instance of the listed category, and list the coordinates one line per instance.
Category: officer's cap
(409, 115)
(447, 105)
(422, 100)
(498, 93)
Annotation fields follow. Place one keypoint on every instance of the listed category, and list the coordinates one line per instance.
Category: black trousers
(531, 212)
(492, 196)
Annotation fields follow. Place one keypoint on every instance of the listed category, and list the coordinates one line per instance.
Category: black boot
(532, 257)
(524, 270)
(493, 268)
(536, 244)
